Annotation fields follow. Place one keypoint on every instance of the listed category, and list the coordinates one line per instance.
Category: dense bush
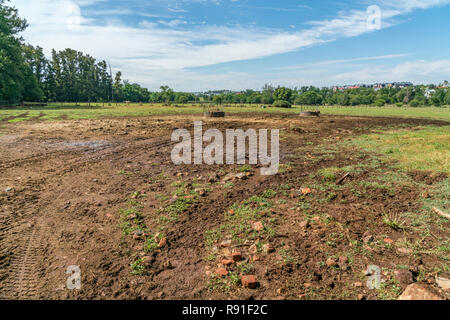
(414, 103)
(282, 104)
(379, 102)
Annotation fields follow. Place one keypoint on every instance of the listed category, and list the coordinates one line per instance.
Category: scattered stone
(231, 212)
(225, 243)
(162, 243)
(227, 262)
(147, 259)
(368, 239)
(255, 258)
(343, 260)
(442, 282)
(253, 249)
(388, 241)
(404, 278)
(358, 284)
(304, 224)
(221, 272)
(201, 192)
(267, 248)
(307, 285)
(420, 291)
(8, 189)
(160, 294)
(361, 297)
(249, 281)
(241, 175)
(306, 191)
(236, 256)
(258, 226)
(405, 251)
(228, 177)
(331, 262)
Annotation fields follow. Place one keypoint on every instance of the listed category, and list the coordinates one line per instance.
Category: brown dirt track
(69, 180)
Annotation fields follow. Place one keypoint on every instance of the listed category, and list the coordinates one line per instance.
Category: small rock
(228, 177)
(241, 175)
(8, 189)
(227, 262)
(442, 282)
(236, 256)
(368, 239)
(304, 224)
(267, 248)
(388, 240)
(405, 251)
(420, 291)
(162, 243)
(249, 281)
(253, 249)
(221, 272)
(331, 262)
(147, 259)
(404, 278)
(258, 226)
(307, 285)
(343, 259)
(255, 258)
(358, 284)
(306, 191)
(225, 243)
(361, 297)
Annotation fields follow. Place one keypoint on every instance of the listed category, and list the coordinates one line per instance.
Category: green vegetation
(426, 148)
(58, 111)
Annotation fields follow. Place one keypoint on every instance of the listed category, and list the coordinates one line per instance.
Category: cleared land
(103, 194)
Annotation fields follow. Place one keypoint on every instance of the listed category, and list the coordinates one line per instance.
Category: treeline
(281, 96)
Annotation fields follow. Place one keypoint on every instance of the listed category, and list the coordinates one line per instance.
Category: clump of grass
(329, 174)
(138, 267)
(393, 221)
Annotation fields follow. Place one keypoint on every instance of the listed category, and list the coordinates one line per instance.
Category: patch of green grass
(424, 148)
(137, 267)
(328, 174)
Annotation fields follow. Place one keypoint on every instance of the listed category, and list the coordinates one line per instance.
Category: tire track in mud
(18, 265)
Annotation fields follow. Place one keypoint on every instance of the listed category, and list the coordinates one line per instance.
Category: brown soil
(69, 180)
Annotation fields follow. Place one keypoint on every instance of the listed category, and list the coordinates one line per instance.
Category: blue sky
(198, 45)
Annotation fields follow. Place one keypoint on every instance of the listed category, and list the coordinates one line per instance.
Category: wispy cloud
(155, 49)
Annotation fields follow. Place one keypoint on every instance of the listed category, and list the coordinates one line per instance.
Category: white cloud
(149, 53)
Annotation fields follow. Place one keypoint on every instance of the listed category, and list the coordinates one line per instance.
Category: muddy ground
(104, 195)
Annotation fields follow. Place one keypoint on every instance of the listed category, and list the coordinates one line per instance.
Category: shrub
(379, 103)
(282, 104)
(399, 104)
(414, 103)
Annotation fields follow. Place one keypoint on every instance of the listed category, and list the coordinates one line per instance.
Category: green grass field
(83, 111)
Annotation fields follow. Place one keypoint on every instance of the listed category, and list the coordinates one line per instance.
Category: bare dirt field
(104, 195)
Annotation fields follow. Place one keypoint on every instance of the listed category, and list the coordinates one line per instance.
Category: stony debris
(221, 272)
(236, 256)
(267, 248)
(258, 226)
(249, 281)
(162, 243)
(305, 191)
(442, 282)
(388, 240)
(253, 249)
(227, 262)
(404, 277)
(304, 224)
(331, 262)
(404, 251)
(225, 243)
(420, 291)
(8, 189)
